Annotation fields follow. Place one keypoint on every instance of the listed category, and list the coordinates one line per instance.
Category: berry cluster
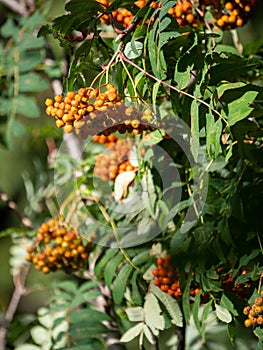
(70, 110)
(185, 14)
(234, 13)
(58, 248)
(254, 312)
(228, 14)
(122, 16)
(167, 278)
(92, 111)
(108, 141)
(115, 161)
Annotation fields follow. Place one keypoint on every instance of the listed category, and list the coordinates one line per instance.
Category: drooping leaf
(132, 333)
(195, 129)
(148, 334)
(170, 304)
(119, 284)
(204, 317)
(111, 267)
(153, 317)
(227, 303)
(195, 311)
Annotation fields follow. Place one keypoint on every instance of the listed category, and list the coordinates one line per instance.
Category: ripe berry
(248, 323)
(51, 249)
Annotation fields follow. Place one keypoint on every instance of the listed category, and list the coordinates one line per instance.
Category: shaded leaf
(119, 284)
(240, 108)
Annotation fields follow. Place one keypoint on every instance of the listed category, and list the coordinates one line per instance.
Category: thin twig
(114, 229)
(182, 92)
(19, 291)
(12, 205)
(16, 7)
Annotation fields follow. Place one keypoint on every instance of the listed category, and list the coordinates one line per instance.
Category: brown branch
(12, 205)
(20, 290)
(16, 7)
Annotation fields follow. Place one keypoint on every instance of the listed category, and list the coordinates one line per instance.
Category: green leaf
(195, 311)
(227, 303)
(32, 82)
(231, 331)
(111, 268)
(153, 317)
(240, 108)
(9, 29)
(5, 107)
(82, 298)
(259, 332)
(186, 300)
(213, 135)
(132, 333)
(30, 42)
(90, 316)
(135, 314)
(68, 286)
(100, 264)
(26, 106)
(29, 60)
(17, 127)
(223, 314)
(135, 293)
(204, 317)
(156, 58)
(170, 304)
(133, 50)
(166, 36)
(120, 283)
(195, 129)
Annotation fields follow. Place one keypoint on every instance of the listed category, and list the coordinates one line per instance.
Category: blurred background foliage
(24, 154)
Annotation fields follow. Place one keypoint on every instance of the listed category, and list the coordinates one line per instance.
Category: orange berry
(68, 128)
(170, 292)
(229, 6)
(160, 261)
(71, 95)
(164, 288)
(58, 98)
(60, 123)
(258, 301)
(190, 18)
(49, 102)
(248, 323)
(239, 22)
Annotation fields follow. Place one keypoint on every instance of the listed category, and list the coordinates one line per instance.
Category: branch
(20, 290)
(180, 331)
(12, 205)
(15, 6)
